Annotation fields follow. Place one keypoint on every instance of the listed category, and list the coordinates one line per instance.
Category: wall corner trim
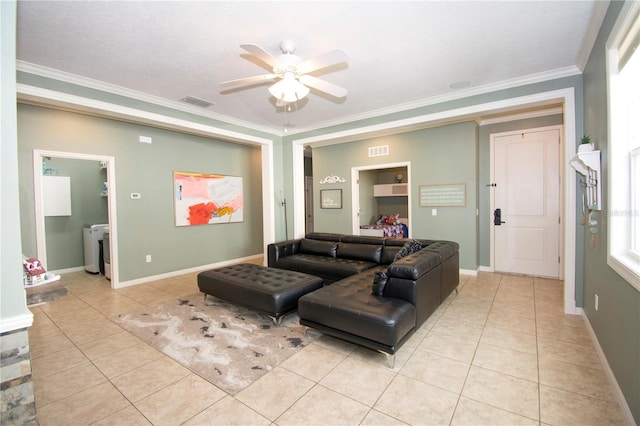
(16, 323)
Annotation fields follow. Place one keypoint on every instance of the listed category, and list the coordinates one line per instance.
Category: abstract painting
(203, 199)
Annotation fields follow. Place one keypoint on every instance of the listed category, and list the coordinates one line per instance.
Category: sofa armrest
(282, 249)
(415, 265)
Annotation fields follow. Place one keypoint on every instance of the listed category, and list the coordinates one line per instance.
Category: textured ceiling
(401, 53)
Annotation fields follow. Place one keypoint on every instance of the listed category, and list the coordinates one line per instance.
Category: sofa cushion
(415, 265)
(363, 239)
(389, 254)
(349, 306)
(379, 282)
(368, 252)
(409, 247)
(329, 268)
(322, 248)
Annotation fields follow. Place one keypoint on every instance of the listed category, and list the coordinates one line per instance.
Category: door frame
(41, 242)
(309, 215)
(561, 195)
(355, 191)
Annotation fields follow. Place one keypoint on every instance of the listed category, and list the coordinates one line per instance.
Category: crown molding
(40, 96)
(597, 17)
(66, 77)
(436, 118)
(520, 116)
(133, 94)
(459, 94)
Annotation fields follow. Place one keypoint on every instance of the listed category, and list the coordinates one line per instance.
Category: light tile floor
(501, 352)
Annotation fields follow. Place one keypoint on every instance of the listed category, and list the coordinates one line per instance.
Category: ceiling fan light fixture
(292, 72)
(289, 89)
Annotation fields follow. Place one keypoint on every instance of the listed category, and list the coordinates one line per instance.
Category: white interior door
(526, 203)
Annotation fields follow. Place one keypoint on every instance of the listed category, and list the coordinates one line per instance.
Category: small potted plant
(585, 144)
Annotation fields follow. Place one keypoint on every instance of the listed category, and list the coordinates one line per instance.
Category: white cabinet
(391, 190)
(56, 191)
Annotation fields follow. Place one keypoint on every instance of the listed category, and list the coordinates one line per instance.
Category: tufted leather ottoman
(271, 290)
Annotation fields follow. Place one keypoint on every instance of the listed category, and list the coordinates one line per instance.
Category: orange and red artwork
(202, 199)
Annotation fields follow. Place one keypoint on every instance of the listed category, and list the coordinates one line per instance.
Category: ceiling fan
(292, 73)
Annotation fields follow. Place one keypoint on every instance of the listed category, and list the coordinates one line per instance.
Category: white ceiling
(402, 54)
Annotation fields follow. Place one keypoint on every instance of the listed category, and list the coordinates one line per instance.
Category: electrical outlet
(597, 302)
(148, 258)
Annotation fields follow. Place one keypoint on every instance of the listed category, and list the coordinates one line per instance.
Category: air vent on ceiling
(378, 151)
(196, 101)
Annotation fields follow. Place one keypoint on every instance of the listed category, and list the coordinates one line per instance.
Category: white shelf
(391, 190)
(587, 163)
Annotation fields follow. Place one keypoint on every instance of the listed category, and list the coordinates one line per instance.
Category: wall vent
(197, 101)
(378, 151)
(399, 190)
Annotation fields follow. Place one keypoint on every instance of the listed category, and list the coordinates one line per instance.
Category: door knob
(497, 217)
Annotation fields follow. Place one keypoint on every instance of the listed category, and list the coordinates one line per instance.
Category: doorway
(109, 169)
(526, 183)
(363, 180)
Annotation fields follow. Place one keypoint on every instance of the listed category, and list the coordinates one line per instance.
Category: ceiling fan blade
(261, 54)
(323, 86)
(248, 80)
(328, 59)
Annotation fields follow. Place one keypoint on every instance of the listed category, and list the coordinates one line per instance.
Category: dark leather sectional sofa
(346, 306)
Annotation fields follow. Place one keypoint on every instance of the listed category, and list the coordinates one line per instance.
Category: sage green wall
(368, 207)
(146, 226)
(438, 155)
(617, 321)
(13, 303)
(65, 248)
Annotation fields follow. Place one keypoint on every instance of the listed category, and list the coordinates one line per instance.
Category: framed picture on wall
(331, 198)
(204, 199)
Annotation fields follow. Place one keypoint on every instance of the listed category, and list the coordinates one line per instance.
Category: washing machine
(106, 253)
(92, 237)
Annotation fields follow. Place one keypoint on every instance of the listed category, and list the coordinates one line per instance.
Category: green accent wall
(617, 321)
(147, 226)
(440, 155)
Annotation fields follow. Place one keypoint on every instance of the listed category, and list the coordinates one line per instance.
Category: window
(623, 76)
(635, 200)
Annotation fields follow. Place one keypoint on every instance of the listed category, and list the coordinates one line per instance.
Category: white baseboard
(612, 378)
(485, 269)
(468, 272)
(143, 280)
(68, 270)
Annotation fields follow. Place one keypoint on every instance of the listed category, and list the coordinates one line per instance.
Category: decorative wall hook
(332, 179)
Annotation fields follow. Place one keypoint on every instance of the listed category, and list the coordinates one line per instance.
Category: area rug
(228, 345)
